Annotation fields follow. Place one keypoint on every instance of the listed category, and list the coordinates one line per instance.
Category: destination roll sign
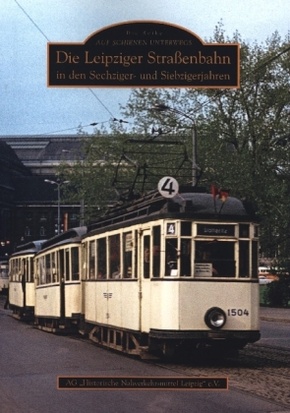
(144, 54)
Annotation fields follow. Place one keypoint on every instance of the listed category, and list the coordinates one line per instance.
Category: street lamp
(163, 108)
(58, 183)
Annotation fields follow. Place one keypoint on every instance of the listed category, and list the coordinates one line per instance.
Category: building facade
(31, 206)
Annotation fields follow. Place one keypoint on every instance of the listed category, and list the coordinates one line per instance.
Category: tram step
(145, 355)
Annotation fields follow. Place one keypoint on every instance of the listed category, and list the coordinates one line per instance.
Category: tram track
(260, 370)
(263, 371)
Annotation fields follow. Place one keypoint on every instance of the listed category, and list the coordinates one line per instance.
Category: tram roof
(71, 235)
(28, 248)
(188, 204)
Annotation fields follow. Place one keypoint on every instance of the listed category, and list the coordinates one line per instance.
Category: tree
(238, 132)
(243, 137)
(91, 174)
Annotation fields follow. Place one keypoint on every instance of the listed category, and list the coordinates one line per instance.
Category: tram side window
(11, 270)
(146, 258)
(54, 272)
(20, 269)
(67, 267)
(254, 259)
(102, 258)
(16, 277)
(128, 254)
(47, 269)
(31, 269)
(156, 251)
(84, 261)
(19, 273)
(136, 255)
(171, 256)
(215, 258)
(41, 270)
(36, 272)
(114, 254)
(16, 269)
(61, 264)
(22, 273)
(92, 260)
(244, 263)
(75, 263)
(24, 269)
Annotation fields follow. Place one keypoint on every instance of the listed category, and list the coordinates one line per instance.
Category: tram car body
(162, 275)
(4, 278)
(21, 280)
(58, 286)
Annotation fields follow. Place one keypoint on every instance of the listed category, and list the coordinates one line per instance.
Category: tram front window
(171, 256)
(215, 259)
(185, 257)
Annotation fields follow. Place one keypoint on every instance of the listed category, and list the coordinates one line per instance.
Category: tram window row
(21, 269)
(198, 250)
(173, 249)
(63, 262)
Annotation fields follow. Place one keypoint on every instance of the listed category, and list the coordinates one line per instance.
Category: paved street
(275, 314)
(32, 360)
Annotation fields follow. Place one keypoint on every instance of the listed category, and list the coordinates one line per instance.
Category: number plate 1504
(238, 312)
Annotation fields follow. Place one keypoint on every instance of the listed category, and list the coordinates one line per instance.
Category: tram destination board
(216, 229)
(144, 54)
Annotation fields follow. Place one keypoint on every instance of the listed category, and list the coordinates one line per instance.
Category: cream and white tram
(21, 280)
(4, 278)
(58, 286)
(166, 274)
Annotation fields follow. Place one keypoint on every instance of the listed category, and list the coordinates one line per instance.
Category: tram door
(145, 254)
(62, 282)
(145, 270)
(24, 275)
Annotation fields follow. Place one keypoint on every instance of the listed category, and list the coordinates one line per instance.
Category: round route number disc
(168, 187)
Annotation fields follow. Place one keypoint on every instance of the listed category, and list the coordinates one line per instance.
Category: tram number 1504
(237, 312)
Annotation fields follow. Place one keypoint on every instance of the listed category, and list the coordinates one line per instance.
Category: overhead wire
(260, 66)
(91, 90)
(201, 105)
(76, 127)
(253, 71)
(32, 21)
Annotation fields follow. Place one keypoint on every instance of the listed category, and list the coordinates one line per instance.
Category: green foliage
(277, 293)
(242, 134)
(91, 174)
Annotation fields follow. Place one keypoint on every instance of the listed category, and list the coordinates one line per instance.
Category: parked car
(264, 280)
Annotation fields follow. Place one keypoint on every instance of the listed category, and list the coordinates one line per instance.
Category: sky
(29, 107)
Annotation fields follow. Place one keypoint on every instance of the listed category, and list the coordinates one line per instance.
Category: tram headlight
(215, 318)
